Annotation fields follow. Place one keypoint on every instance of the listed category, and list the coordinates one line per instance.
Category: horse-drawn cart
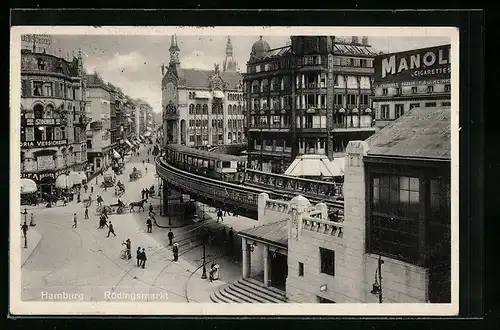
(109, 180)
(111, 209)
(135, 175)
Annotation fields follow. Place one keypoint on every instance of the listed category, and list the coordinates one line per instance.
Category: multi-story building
(52, 117)
(202, 107)
(99, 146)
(312, 96)
(411, 79)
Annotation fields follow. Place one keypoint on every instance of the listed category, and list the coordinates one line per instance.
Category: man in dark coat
(86, 212)
(142, 193)
(219, 215)
(24, 228)
(170, 237)
(149, 224)
(143, 258)
(111, 229)
(139, 253)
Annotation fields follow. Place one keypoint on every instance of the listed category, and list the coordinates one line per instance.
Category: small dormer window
(41, 64)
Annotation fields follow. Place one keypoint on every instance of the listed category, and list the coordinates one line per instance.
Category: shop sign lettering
(41, 144)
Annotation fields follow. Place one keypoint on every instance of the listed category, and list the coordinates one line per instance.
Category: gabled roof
(274, 233)
(354, 49)
(420, 133)
(195, 78)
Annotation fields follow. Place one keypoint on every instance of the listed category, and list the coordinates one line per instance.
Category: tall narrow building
(229, 64)
(202, 107)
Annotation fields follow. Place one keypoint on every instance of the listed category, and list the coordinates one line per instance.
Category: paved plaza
(84, 264)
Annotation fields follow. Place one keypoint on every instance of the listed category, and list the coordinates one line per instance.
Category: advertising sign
(43, 121)
(425, 64)
(41, 144)
(41, 175)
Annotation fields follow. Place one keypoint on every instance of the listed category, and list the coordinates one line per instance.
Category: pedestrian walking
(146, 168)
(105, 212)
(138, 256)
(170, 237)
(78, 200)
(219, 215)
(175, 250)
(230, 240)
(105, 187)
(74, 221)
(151, 209)
(149, 224)
(128, 246)
(144, 258)
(24, 228)
(143, 162)
(86, 212)
(85, 187)
(146, 192)
(32, 221)
(92, 189)
(65, 201)
(142, 193)
(111, 229)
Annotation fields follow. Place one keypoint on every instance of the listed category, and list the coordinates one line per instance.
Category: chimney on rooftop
(354, 40)
(364, 41)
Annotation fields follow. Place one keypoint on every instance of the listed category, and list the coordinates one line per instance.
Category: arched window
(239, 109)
(214, 109)
(221, 109)
(38, 110)
(230, 137)
(49, 110)
(198, 109)
(229, 109)
(205, 109)
(191, 109)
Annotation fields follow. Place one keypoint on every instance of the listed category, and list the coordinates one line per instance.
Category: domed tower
(259, 49)
(229, 64)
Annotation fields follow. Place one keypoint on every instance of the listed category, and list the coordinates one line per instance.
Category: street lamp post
(377, 284)
(168, 206)
(204, 273)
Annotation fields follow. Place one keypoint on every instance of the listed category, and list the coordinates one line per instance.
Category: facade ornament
(216, 68)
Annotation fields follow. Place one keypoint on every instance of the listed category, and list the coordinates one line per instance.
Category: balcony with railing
(265, 127)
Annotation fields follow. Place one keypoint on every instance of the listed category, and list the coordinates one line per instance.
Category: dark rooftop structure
(195, 78)
(420, 133)
(275, 233)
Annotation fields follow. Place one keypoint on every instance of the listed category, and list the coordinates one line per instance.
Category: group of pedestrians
(141, 257)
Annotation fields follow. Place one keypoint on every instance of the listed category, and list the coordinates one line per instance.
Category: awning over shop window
(129, 144)
(341, 110)
(74, 178)
(218, 94)
(27, 186)
(63, 181)
(202, 95)
(116, 154)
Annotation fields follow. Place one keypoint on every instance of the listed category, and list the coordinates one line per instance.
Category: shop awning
(116, 154)
(82, 175)
(202, 95)
(218, 94)
(129, 144)
(311, 165)
(27, 186)
(74, 178)
(368, 110)
(63, 181)
(341, 110)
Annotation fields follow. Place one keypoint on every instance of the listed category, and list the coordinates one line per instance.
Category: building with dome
(202, 107)
(53, 119)
(312, 96)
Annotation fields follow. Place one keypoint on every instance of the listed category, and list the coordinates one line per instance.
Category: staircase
(248, 291)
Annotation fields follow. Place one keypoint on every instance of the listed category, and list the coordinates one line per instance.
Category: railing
(310, 125)
(353, 125)
(326, 227)
(278, 206)
(269, 126)
(315, 189)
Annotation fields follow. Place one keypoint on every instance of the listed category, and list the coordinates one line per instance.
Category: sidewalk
(34, 238)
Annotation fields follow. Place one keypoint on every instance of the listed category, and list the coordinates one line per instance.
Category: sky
(133, 63)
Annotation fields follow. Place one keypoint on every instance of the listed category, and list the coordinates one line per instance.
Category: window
(364, 99)
(400, 108)
(351, 99)
(339, 99)
(446, 104)
(384, 91)
(447, 88)
(205, 109)
(395, 215)
(327, 261)
(398, 91)
(30, 133)
(63, 132)
(37, 88)
(74, 94)
(414, 105)
(357, 62)
(430, 89)
(191, 109)
(430, 104)
(41, 64)
(198, 109)
(191, 138)
(301, 269)
(308, 60)
(384, 111)
(414, 90)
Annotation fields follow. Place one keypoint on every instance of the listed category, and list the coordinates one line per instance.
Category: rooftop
(274, 233)
(311, 165)
(420, 133)
(195, 78)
